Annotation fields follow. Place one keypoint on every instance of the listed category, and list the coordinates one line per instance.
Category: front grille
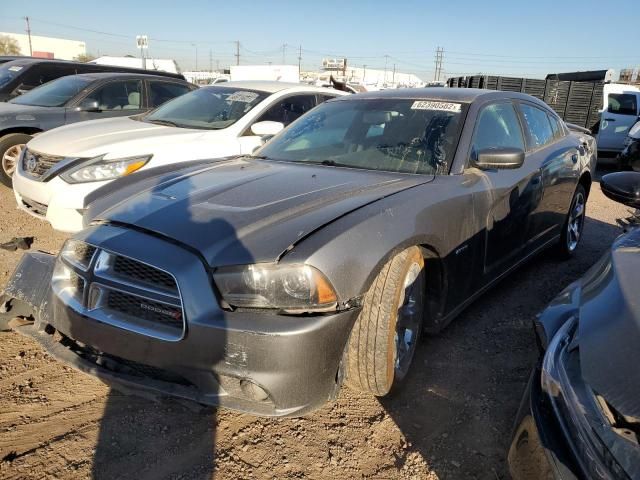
(84, 252)
(120, 291)
(37, 164)
(142, 272)
(145, 309)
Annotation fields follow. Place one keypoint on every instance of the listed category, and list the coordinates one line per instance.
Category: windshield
(55, 93)
(207, 108)
(8, 72)
(393, 135)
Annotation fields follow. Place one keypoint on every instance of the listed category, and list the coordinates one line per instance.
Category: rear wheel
(384, 338)
(11, 146)
(574, 224)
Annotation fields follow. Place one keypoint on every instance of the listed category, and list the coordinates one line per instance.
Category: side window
(324, 98)
(498, 127)
(119, 95)
(160, 92)
(289, 109)
(538, 124)
(623, 104)
(558, 131)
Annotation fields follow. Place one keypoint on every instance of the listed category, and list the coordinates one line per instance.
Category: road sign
(142, 41)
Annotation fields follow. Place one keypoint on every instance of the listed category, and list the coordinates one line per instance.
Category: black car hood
(609, 326)
(244, 210)
(10, 109)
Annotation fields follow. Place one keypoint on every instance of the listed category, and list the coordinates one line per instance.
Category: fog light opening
(253, 391)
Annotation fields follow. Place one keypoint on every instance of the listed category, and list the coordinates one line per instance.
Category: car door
(556, 155)
(514, 194)
(284, 110)
(116, 98)
(619, 115)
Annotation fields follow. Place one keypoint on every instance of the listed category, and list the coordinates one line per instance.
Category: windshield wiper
(167, 123)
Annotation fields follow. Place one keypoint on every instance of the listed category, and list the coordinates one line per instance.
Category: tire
(370, 359)
(573, 226)
(9, 154)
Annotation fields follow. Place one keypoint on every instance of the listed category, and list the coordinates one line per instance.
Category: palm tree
(9, 46)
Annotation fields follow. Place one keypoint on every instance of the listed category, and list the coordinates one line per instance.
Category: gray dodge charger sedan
(263, 283)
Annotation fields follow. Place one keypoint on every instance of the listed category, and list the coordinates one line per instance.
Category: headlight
(292, 288)
(99, 169)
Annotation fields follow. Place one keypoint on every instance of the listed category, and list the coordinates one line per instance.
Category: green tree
(84, 57)
(9, 46)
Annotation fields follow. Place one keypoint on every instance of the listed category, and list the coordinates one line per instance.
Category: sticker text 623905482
(431, 105)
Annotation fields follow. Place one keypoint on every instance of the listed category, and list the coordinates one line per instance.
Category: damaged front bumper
(264, 364)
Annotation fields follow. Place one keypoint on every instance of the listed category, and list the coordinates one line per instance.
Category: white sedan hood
(124, 137)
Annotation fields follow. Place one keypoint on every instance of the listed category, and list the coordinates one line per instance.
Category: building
(48, 47)
(162, 64)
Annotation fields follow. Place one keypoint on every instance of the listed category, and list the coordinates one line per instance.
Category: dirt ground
(453, 419)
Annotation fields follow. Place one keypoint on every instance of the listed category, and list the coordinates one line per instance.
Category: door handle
(610, 119)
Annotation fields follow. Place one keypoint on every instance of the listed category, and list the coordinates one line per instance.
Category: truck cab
(619, 113)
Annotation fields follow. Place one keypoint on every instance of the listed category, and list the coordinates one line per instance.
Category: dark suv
(21, 75)
(76, 98)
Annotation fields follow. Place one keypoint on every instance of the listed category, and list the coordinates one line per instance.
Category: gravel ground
(452, 420)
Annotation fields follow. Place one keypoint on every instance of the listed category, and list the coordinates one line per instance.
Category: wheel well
(436, 285)
(585, 181)
(27, 130)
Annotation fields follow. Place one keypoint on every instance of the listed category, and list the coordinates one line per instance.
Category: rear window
(623, 104)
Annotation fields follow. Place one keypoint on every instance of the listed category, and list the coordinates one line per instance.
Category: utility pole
(439, 59)
(29, 34)
(386, 59)
(364, 73)
(299, 58)
(237, 55)
(393, 77)
(284, 53)
(210, 61)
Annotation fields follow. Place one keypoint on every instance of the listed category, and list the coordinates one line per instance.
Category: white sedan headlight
(99, 169)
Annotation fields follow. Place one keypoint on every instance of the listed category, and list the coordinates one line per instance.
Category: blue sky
(529, 38)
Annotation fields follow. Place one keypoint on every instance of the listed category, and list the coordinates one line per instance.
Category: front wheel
(574, 224)
(384, 338)
(11, 146)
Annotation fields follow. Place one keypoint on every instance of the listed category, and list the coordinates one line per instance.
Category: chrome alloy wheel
(10, 158)
(576, 221)
(410, 309)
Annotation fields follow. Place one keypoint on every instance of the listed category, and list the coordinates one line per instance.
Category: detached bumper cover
(255, 362)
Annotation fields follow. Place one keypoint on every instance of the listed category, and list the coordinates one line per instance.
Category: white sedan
(59, 168)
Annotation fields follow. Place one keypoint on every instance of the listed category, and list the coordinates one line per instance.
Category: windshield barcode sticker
(242, 96)
(441, 106)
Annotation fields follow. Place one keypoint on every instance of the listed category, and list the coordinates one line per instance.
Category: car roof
(270, 86)
(464, 95)
(107, 75)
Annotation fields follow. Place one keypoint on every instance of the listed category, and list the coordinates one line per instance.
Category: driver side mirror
(88, 105)
(622, 187)
(499, 158)
(266, 128)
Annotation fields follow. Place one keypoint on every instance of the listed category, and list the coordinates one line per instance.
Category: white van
(619, 113)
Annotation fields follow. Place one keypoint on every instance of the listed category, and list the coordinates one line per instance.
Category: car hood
(8, 111)
(609, 326)
(243, 210)
(112, 136)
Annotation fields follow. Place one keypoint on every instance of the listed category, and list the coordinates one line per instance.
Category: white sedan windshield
(209, 108)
